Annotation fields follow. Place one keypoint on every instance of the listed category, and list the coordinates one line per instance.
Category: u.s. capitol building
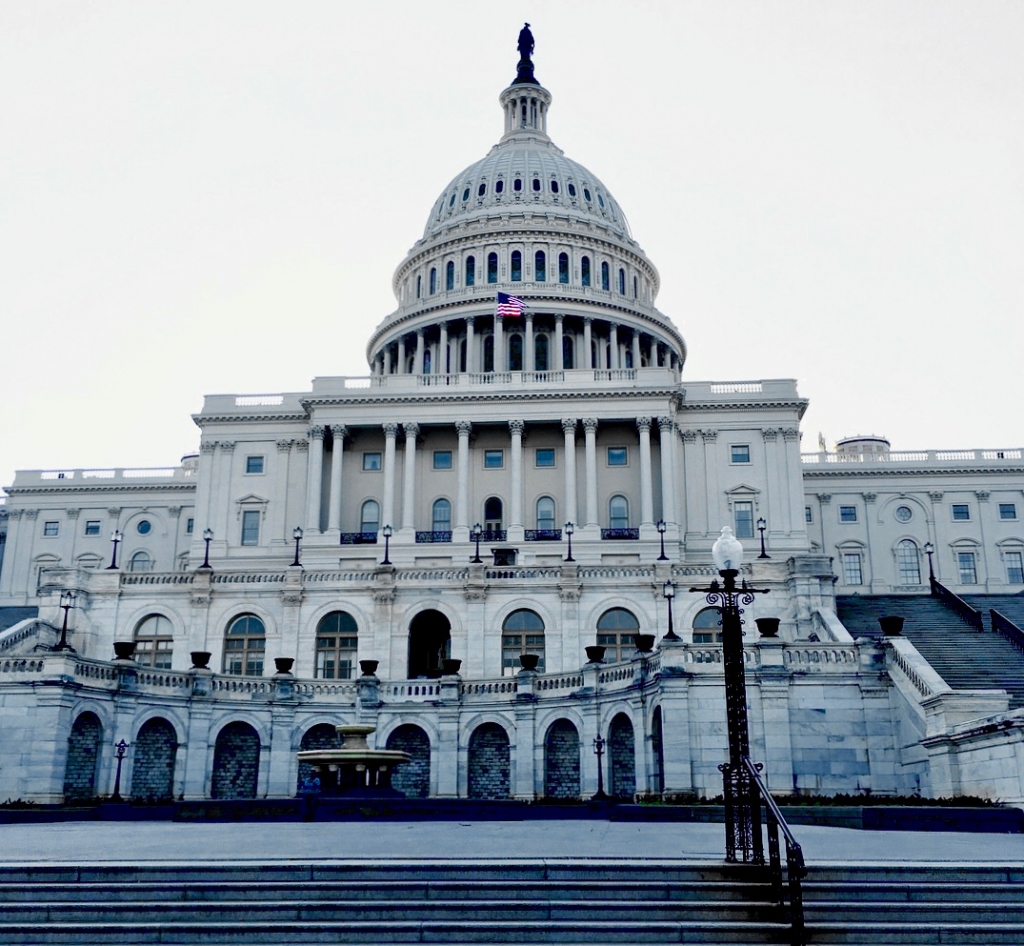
(503, 491)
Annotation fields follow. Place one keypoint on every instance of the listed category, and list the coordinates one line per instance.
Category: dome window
(540, 268)
(465, 195)
(634, 287)
(540, 355)
(536, 185)
(470, 270)
(451, 203)
(563, 267)
(515, 352)
(433, 280)
(600, 200)
(517, 266)
(586, 193)
(499, 186)
(449, 276)
(481, 190)
(419, 286)
(554, 187)
(585, 271)
(572, 189)
(604, 277)
(517, 184)
(622, 282)
(492, 265)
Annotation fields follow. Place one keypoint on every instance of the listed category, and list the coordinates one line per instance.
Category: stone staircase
(965, 658)
(490, 901)
(1010, 606)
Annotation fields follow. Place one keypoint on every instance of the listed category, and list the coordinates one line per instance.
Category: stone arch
(430, 638)
(156, 747)
(413, 778)
(236, 762)
(489, 762)
(562, 760)
(621, 757)
(657, 752)
(82, 764)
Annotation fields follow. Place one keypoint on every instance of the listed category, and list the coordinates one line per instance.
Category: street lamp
(599, 745)
(669, 591)
(387, 532)
(207, 538)
(122, 748)
(929, 550)
(569, 530)
(661, 535)
(297, 535)
(761, 526)
(478, 530)
(67, 602)
(738, 787)
(115, 537)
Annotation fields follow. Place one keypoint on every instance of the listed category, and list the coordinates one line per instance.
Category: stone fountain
(355, 768)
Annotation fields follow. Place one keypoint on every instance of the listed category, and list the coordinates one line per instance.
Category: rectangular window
(852, 574)
(743, 516)
(442, 459)
(494, 459)
(92, 527)
(740, 453)
(190, 526)
(371, 462)
(51, 528)
(961, 512)
(251, 527)
(1007, 510)
(808, 514)
(254, 464)
(545, 457)
(968, 569)
(1015, 568)
(847, 513)
(618, 456)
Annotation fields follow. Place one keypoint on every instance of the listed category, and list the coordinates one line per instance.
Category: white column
(500, 364)
(387, 512)
(528, 345)
(465, 428)
(314, 479)
(516, 468)
(409, 482)
(569, 429)
(636, 349)
(668, 480)
(590, 431)
(613, 346)
(557, 361)
(401, 356)
(334, 514)
(643, 424)
(587, 361)
(470, 346)
(418, 363)
(442, 351)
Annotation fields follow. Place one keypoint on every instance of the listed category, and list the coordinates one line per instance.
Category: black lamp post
(669, 591)
(478, 530)
(761, 526)
(297, 535)
(929, 550)
(569, 530)
(116, 539)
(740, 794)
(661, 535)
(207, 538)
(67, 602)
(599, 745)
(387, 532)
(122, 748)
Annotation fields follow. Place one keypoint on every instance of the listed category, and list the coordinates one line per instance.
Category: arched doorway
(320, 736)
(430, 638)
(489, 765)
(236, 762)
(413, 778)
(83, 757)
(622, 757)
(156, 745)
(562, 760)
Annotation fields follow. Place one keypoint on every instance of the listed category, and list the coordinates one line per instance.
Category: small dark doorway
(429, 644)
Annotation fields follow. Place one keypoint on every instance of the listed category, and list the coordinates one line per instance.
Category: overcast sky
(212, 197)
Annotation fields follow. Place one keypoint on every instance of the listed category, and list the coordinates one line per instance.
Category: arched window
(554, 187)
(441, 516)
(154, 641)
(585, 271)
(517, 266)
(419, 286)
(337, 640)
(517, 184)
(540, 266)
(522, 632)
(465, 195)
(622, 282)
(634, 287)
(140, 562)
(618, 512)
(567, 353)
(492, 514)
(615, 631)
(428, 360)
(492, 267)
(540, 353)
(481, 190)
(470, 270)
(707, 626)
(499, 186)
(563, 267)
(489, 353)
(369, 516)
(604, 277)
(546, 513)
(909, 562)
(433, 280)
(536, 184)
(462, 355)
(515, 352)
(244, 646)
(449, 276)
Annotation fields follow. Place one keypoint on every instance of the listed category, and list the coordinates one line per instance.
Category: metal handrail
(796, 870)
(1001, 624)
(952, 600)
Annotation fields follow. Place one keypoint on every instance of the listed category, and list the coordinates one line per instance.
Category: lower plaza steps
(586, 900)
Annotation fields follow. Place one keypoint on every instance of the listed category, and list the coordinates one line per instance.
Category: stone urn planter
(595, 653)
(284, 664)
(529, 661)
(124, 650)
(769, 627)
(892, 625)
(450, 667)
(201, 659)
(369, 667)
(644, 642)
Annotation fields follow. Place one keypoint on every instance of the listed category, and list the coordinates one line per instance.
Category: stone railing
(1011, 456)
(488, 688)
(817, 656)
(903, 656)
(514, 572)
(90, 478)
(410, 691)
(223, 685)
(23, 631)
(319, 689)
(156, 578)
(22, 665)
(558, 681)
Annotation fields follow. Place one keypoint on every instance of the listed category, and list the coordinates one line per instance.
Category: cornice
(763, 404)
(506, 398)
(815, 472)
(67, 487)
(203, 420)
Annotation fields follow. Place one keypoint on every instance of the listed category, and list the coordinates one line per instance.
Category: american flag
(510, 306)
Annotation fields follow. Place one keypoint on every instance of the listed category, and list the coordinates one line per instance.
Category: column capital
(981, 495)
(443, 323)
(317, 432)
(790, 433)
(74, 513)
(824, 498)
(935, 496)
(770, 434)
(517, 427)
(390, 430)
(643, 424)
(302, 446)
(227, 446)
(710, 436)
(688, 436)
(470, 320)
(588, 320)
(590, 424)
(208, 446)
(869, 497)
(283, 446)
(559, 318)
(464, 427)
(568, 425)
(419, 332)
(339, 431)
(666, 424)
(412, 429)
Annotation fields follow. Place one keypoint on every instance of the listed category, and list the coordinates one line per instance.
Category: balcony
(543, 535)
(613, 534)
(358, 538)
(428, 537)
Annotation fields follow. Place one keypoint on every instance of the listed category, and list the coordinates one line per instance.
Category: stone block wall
(236, 762)
(83, 758)
(413, 778)
(153, 761)
(562, 761)
(489, 763)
